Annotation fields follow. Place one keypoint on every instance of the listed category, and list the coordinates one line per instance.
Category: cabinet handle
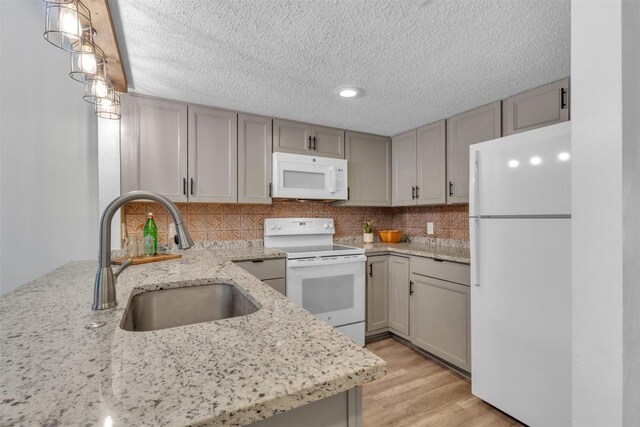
(410, 287)
(192, 186)
(314, 143)
(563, 98)
(417, 192)
(310, 148)
(184, 186)
(348, 193)
(450, 188)
(257, 260)
(371, 270)
(413, 193)
(270, 189)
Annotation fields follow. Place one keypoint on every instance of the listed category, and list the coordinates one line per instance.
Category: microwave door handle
(333, 180)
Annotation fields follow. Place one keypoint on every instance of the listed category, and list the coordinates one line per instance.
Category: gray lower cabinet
(463, 130)
(254, 159)
(303, 138)
(213, 155)
(369, 170)
(377, 292)
(440, 310)
(154, 147)
(399, 295)
(340, 410)
(542, 106)
(271, 271)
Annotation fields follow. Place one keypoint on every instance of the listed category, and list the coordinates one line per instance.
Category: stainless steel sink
(168, 308)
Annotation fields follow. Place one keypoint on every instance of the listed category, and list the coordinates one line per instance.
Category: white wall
(48, 153)
(109, 172)
(605, 198)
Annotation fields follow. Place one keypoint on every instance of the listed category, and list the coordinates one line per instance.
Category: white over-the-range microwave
(298, 176)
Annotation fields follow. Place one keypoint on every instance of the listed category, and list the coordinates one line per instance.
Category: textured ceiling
(417, 61)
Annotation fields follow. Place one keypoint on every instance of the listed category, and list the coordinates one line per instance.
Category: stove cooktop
(320, 250)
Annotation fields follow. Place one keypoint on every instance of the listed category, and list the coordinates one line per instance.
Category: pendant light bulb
(87, 61)
(101, 89)
(69, 23)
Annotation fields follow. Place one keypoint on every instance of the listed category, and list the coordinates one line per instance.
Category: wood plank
(106, 38)
(137, 260)
(420, 392)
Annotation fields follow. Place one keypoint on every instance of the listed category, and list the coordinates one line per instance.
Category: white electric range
(326, 279)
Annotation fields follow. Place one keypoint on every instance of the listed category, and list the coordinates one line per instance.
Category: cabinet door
(542, 106)
(377, 292)
(369, 169)
(463, 130)
(432, 161)
(213, 155)
(399, 294)
(154, 147)
(440, 319)
(291, 137)
(404, 169)
(254, 159)
(327, 142)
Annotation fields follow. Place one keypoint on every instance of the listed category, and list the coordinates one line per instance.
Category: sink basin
(168, 308)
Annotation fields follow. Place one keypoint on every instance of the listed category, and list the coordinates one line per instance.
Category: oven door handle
(315, 262)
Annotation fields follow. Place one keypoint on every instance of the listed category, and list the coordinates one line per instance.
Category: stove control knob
(326, 226)
(279, 226)
(330, 225)
(272, 226)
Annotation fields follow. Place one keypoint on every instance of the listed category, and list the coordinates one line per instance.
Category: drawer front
(264, 269)
(444, 270)
(279, 285)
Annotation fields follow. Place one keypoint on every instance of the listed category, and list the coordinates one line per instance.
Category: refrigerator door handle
(476, 252)
(475, 211)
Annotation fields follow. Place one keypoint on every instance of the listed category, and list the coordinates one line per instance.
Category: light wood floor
(419, 392)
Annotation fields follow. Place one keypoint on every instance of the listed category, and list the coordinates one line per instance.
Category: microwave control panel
(340, 179)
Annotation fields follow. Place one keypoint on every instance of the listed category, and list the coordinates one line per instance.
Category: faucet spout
(104, 291)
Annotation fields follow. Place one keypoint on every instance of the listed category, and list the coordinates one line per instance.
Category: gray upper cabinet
(463, 130)
(291, 137)
(302, 138)
(369, 170)
(327, 142)
(419, 166)
(431, 167)
(399, 295)
(254, 159)
(213, 155)
(404, 169)
(154, 147)
(542, 106)
(377, 292)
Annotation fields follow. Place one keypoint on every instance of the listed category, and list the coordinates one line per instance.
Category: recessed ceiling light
(564, 156)
(535, 160)
(348, 91)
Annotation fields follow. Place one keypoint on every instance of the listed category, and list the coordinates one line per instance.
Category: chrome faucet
(104, 290)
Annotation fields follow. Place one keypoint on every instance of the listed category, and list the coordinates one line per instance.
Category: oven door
(331, 288)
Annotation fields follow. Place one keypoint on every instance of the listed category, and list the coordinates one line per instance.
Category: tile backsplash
(208, 221)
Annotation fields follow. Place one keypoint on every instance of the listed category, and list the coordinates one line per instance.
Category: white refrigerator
(520, 227)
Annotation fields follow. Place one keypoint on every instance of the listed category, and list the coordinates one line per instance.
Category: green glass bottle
(150, 236)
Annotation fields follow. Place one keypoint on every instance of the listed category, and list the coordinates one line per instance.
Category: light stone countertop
(444, 252)
(227, 372)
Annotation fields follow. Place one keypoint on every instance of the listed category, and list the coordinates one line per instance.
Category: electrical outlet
(430, 228)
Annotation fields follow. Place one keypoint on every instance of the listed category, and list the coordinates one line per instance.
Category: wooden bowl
(390, 236)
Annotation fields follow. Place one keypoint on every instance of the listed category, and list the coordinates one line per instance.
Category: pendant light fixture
(87, 61)
(65, 23)
(68, 26)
